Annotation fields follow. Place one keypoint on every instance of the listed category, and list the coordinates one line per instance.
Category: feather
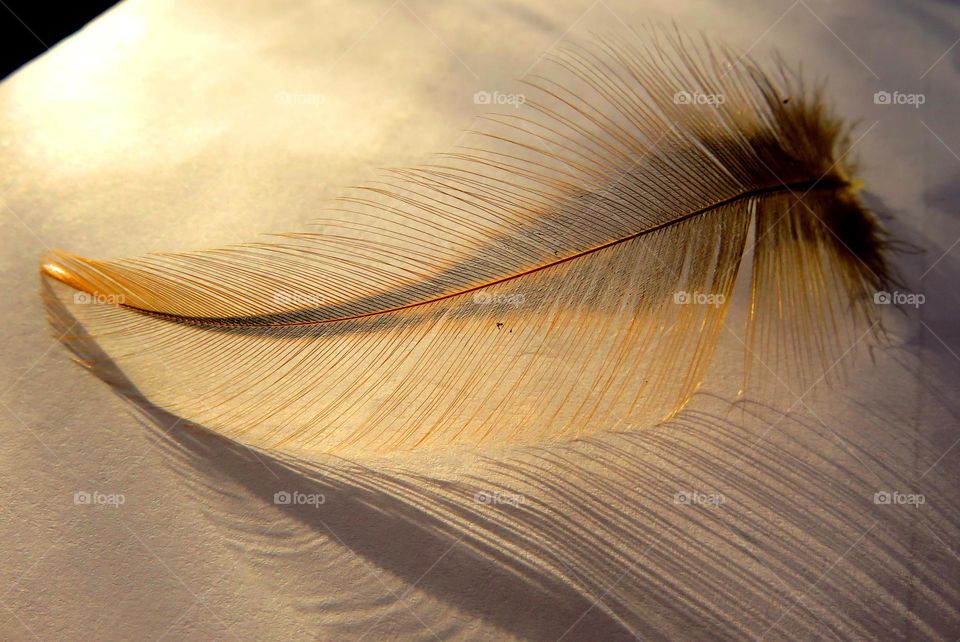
(568, 270)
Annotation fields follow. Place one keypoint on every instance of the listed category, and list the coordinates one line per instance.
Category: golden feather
(568, 271)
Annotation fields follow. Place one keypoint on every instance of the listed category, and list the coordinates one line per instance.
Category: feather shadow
(600, 546)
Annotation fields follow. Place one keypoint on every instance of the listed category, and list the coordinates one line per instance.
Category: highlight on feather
(569, 270)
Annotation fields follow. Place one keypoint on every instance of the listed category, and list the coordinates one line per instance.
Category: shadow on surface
(719, 524)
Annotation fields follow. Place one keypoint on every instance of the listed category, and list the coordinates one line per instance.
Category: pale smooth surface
(175, 125)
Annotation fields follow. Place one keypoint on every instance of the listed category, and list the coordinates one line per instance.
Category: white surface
(167, 125)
